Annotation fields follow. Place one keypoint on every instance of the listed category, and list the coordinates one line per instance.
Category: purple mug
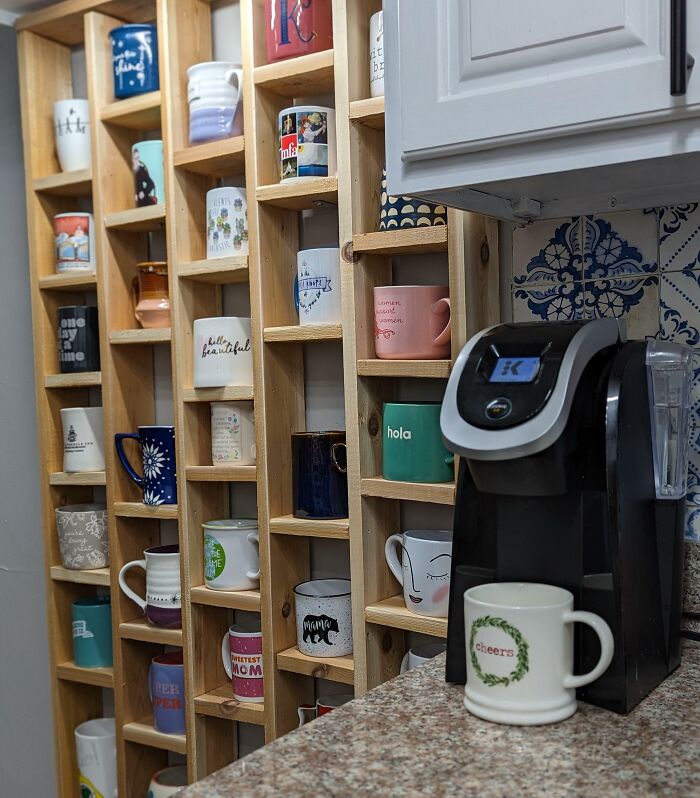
(166, 688)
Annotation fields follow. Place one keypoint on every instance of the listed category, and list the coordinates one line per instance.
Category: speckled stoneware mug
(324, 617)
(82, 536)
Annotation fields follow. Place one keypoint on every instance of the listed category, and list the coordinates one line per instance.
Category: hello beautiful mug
(520, 652)
(222, 352)
(412, 322)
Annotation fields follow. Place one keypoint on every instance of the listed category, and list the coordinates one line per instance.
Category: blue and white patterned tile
(679, 237)
(547, 253)
(680, 307)
(547, 302)
(692, 523)
(620, 244)
(693, 492)
(634, 299)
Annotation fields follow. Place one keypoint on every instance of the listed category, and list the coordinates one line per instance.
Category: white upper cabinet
(484, 96)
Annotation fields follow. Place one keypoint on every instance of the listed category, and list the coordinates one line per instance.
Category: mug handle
(150, 685)
(135, 294)
(226, 656)
(300, 713)
(392, 558)
(254, 538)
(438, 308)
(607, 647)
(231, 76)
(118, 442)
(295, 291)
(126, 589)
(334, 448)
(404, 663)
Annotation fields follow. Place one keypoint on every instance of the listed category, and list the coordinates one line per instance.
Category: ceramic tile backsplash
(679, 237)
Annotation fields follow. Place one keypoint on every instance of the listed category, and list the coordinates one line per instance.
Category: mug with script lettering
(223, 353)
(412, 322)
(241, 653)
(324, 617)
(295, 28)
(318, 286)
(166, 687)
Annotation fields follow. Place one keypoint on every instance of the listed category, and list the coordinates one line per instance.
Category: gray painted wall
(26, 747)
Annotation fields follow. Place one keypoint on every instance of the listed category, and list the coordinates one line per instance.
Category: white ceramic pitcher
(214, 94)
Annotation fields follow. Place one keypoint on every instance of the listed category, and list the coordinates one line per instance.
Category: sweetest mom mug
(162, 605)
(241, 654)
(324, 617)
(222, 352)
(412, 322)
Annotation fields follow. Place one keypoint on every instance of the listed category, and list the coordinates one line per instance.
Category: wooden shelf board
(98, 677)
(248, 600)
(303, 333)
(69, 281)
(215, 158)
(78, 478)
(409, 241)
(148, 219)
(393, 612)
(143, 631)
(216, 270)
(369, 112)
(141, 510)
(300, 194)
(157, 335)
(433, 493)
(82, 379)
(430, 369)
(336, 669)
(232, 393)
(220, 703)
(212, 473)
(143, 733)
(289, 525)
(66, 184)
(100, 576)
(298, 77)
(141, 112)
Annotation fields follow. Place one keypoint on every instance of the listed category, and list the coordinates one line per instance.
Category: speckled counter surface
(413, 737)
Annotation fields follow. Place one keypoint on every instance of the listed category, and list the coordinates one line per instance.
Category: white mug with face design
(423, 570)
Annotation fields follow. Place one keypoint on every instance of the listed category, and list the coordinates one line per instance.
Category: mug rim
(71, 213)
(71, 100)
(320, 432)
(412, 285)
(415, 650)
(91, 407)
(235, 524)
(298, 592)
(169, 769)
(560, 597)
(99, 723)
(169, 659)
(94, 601)
(158, 551)
(237, 630)
(92, 507)
(449, 535)
(226, 188)
(157, 426)
(230, 64)
(318, 249)
(425, 403)
(222, 318)
(73, 307)
(298, 108)
(331, 701)
(133, 25)
(137, 144)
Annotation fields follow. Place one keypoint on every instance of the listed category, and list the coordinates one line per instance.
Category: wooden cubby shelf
(218, 271)
(429, 369)
(141, 112)
(97, 677)
(298, 77)
(69, 281)
(78, 478)
(335, 669)
(212, 473)
(409, 241)
(300, 195)
(248, 600)
(215, 158)
(158, 335)
(142, 631)
(141, 510)
(85, 379)
(220, 703)
(143, 733)
(138, 220)
(100, 576)
(289, 525)
(304, 333)
(430, 492)
(229, 393)
(393, 612)
(368, 112)
(66, 184)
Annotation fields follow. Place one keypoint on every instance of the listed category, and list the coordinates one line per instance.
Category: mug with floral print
(159, 480)
(82, 536)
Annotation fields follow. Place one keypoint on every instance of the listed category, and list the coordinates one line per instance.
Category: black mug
(78, 339)
(319, 475)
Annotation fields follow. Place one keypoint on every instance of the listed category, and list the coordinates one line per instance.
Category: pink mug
(241, 653)
(412, 322)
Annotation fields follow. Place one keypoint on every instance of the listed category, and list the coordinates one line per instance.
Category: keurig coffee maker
(573, 446)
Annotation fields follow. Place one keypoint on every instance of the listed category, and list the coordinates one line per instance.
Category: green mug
(92, 632)
(412, 447)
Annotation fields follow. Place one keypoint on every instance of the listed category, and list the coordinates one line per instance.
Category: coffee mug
(159, 480)
(307, 142)
(227, 222)
(214, 97)
(96, 750)
(413, 450)
(222, 352)
(147, 165)
(73, 240)
(92, 632)
(399, 212)
(232, 433)
(82, 536)
(293, 29)
(165, 783)
(231, 556)
(423, 570)
(323, 706)
(241, 654)
(78, 339)
(376, 55)
(318, 286)
(150, 296)
(166, 689)
(319, 475)
(162, 605)
(83, 436)
(71, 122)
(419, 655)
(520, 652)
(412, 322)
(324, 617)
(134, 59)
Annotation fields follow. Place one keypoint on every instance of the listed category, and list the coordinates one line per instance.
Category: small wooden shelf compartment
(409, 241)
(98, 677)
(298, 77)
(428, 369)
(430, 492)
(302, 527)
(143, 732)
(141, 112)
(139, 220)
(303, 333)
(248, 600)
(142, 631)
(300, 194)
(69, 281)
(100, 576)
(393, 612)
(228, 393)
(66, 184)
(84, 379)
(228, 473)
(78, 478)
(157, 335)
(141, 510)
(215, 158)
(216, 270)
(220, 703)
(336, 669)
(369, 112)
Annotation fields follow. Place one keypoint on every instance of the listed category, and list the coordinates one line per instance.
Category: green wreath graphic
(523, 661)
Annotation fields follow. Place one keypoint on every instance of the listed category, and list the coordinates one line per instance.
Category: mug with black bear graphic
(324, 617)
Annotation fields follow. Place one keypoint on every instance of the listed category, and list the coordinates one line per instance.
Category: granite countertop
(412, 737)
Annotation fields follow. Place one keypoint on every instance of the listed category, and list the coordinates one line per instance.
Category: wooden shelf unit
(100, 576)
(141, 112)
(97, 677)
(335, 669)
(143, 732)
(393, 612)
(220, 703)
(66, 184)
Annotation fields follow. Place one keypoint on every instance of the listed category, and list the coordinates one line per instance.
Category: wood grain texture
(289, 525)
(432, 493)
(65, 184)
(143, 220)
(144, 733)
(335, 669)
(300, 195)
(304, 333)
(218, 271)
(100, 576)
(157, 335)
(98, 677)
(369, 112)
(248, 600)
(141, 112)
(428, 369)
(215, 158)
(229, 393)
(297, 77)
(393, 612)
(78, 478)
(220, 703)
(82, 379)
(141, 510)
(408, 241)
(68, 281)
(221, 473)
(143, 631)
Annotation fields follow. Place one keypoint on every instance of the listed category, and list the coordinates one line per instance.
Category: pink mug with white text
(241, 653)
(412, 322)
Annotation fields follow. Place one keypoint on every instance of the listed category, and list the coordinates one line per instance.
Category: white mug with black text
(223, 353)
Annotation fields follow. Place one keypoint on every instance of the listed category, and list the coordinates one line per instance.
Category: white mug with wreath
(520, 652)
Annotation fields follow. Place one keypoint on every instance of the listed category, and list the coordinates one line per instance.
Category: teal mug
(412, 447)
(92, 632)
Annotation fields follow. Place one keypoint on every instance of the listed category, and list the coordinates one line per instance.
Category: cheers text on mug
(502, 658)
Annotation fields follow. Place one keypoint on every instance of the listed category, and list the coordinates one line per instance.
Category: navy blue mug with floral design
(159, 480)
(399, 212)
(135, 60)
